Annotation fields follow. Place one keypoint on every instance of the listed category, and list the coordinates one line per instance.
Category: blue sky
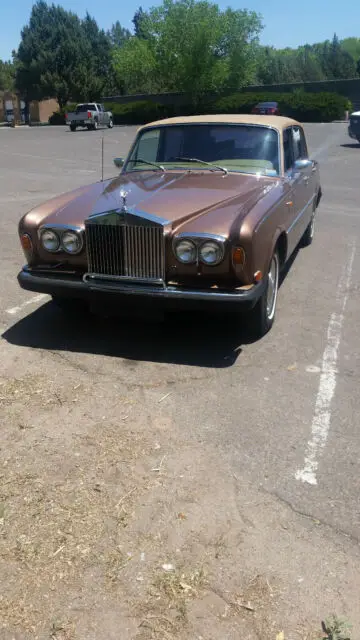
(286, 23)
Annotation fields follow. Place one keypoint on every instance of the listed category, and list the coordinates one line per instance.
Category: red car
(267, 109)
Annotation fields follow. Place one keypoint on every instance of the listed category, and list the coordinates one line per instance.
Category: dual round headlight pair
(69, 241)
(209, 252)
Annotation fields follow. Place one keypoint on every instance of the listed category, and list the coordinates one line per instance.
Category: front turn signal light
(238, 256)
(26, 244)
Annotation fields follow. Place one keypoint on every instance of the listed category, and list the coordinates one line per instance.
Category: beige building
(12, 107)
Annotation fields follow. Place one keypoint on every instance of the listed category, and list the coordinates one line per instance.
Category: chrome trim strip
(301, 213)
(201, 236)
(62, 227)
(88, 277)
(130, 212)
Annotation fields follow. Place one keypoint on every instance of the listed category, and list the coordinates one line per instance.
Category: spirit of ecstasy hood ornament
(123, 196)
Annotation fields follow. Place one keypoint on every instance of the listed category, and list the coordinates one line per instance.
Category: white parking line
(14, 310)
(322, 415)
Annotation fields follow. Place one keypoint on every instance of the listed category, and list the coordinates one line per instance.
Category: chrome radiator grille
(124, 250)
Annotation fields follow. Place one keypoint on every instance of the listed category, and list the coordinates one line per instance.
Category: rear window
(271, 105)
(85, 107)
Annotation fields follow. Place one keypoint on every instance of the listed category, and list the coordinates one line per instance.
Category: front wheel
(262, 315)
(309, 232)
(111, 124)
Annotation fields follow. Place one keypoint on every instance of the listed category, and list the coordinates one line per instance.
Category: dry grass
(38, 389)
(166, 608)
(66, 520)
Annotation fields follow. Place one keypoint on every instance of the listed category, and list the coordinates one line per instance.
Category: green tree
(352, 46)
(7, 75)
(323, 61)
(61, 56)
(140, 24)
(134, 67)
(195, 47)
(336, 63)
(118, 35)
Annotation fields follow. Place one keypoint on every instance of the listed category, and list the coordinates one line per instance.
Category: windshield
(85, 107)
(237, 148)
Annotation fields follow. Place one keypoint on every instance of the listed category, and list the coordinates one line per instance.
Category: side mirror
(302, 164)
(119, 162)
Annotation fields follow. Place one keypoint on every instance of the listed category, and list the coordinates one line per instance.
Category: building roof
(277, 122)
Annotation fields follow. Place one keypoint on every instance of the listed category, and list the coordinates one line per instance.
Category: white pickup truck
(90, 115)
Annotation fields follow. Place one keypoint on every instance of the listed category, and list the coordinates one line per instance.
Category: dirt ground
(147, 473)
(115, 524)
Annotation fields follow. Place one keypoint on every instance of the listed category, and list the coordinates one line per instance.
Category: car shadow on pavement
(351, 145)
(185, 338)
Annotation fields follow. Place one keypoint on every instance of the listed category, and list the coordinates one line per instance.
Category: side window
(299, 144)
(148, 145)
(288, 150)
(304, 149)
(99, 106)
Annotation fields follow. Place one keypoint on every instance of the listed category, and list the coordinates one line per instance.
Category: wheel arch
(281, 245)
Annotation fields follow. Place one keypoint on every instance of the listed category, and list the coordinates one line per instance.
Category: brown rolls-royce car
(204, 213)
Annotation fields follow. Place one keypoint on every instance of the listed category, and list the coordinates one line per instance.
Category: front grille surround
(126, 251)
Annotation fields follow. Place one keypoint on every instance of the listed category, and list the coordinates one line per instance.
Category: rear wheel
(73, 127)
(70, 305)
(95, 125)
(111, 124)
(309, 233)
(89, 127)
(263, 315)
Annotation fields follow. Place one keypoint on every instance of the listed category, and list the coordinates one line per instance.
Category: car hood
(180, 198)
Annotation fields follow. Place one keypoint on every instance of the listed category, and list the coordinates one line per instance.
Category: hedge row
(302, 106)
(305, 107)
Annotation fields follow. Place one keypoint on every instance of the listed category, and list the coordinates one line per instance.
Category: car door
(299, 179)
(310, 173)
(293, 202)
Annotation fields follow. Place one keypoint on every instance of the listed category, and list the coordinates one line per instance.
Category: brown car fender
(279, 243)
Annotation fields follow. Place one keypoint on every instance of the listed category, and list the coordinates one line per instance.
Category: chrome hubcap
(312, 226)
(272, 288)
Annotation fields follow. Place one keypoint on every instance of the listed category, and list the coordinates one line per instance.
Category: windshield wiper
(152, 164)
(209, 164)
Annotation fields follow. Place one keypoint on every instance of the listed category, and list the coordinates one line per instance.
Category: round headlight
(71, 242)
(50, 240)
(185, 251)
(211, 252)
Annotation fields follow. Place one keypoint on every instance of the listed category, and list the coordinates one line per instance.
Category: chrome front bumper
(130, 292)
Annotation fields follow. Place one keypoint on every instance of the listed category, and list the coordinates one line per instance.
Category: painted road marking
(322, 415)
(14, 310)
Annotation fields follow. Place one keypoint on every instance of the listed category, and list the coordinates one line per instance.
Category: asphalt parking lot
(236, 463)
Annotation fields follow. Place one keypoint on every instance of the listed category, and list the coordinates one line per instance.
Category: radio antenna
(102, 158)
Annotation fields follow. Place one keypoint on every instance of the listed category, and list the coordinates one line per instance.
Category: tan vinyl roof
(277, 122)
